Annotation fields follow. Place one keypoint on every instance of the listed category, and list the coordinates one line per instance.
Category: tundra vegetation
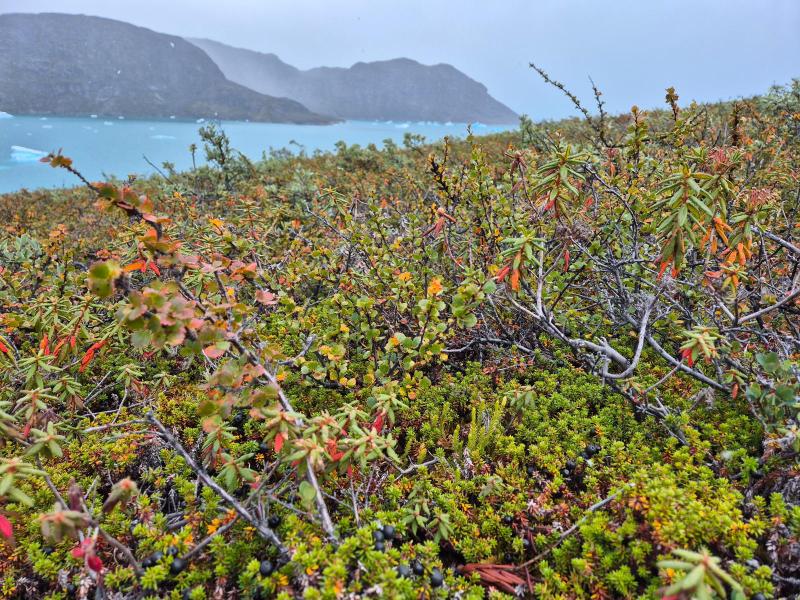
(560, 362)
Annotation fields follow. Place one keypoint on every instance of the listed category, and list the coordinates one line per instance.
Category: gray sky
(707, 49)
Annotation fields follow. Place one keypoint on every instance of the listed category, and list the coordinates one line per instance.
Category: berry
(266, 568)
(437, 579)
(389, 532)
(508, 519)
(566, 472)
(526, 543)
(380, 546)
(404, 571)
(187, 593)
(172, 551)
(273, 521)
(570, 464)
(530, 470)
(417, 567)
(592, 449)
(178, 566)
(377, 535)
(152, 559)
(263, 447)
(758, 596)
(238, 419)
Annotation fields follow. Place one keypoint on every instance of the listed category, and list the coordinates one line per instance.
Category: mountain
(75, 65)
(399, 89)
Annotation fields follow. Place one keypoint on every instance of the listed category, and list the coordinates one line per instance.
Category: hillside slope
(58, 64)
(398, 89)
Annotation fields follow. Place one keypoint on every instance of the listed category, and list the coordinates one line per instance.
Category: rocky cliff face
(74, 65)
(399, 89)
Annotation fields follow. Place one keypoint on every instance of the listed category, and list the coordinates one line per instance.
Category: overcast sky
(633, 49)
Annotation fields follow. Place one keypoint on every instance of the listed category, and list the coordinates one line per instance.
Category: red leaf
(78, 552)
(687, 355)
(45, 345)
(87, 358)
(3, 348)
(566, 260)
(279, 440)
(377, 425)
(501, 274)
(265, 297)
(58, 347)
(661, 270)
(154, 268)
(333, 450)
(6, 530)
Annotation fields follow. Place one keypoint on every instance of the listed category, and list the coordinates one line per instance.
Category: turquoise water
(101, 147)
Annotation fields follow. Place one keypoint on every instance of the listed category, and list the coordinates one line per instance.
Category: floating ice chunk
(5, 115)
(403, 125)
(107, 123)
(200, 121)
(161, 136)
(23, 154)
(172, 44)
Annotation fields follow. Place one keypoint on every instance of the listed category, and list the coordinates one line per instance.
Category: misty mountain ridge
(75, 65)
(398, 89)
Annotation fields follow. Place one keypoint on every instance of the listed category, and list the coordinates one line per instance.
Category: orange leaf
(138, 265)
(213, 351)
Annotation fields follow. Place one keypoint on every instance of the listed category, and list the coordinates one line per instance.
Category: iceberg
(5, 115)
(23, 154)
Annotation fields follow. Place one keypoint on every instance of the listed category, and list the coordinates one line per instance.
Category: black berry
(417, 567)
(404, 571)
(380, 546)
(377, 535)
(152, 559)
(437, 579)
(273, 521)
(178, 566)
(266, 568)
(389, 532)
(508, 519)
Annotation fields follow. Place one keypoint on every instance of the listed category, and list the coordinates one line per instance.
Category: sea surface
(102, 147)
